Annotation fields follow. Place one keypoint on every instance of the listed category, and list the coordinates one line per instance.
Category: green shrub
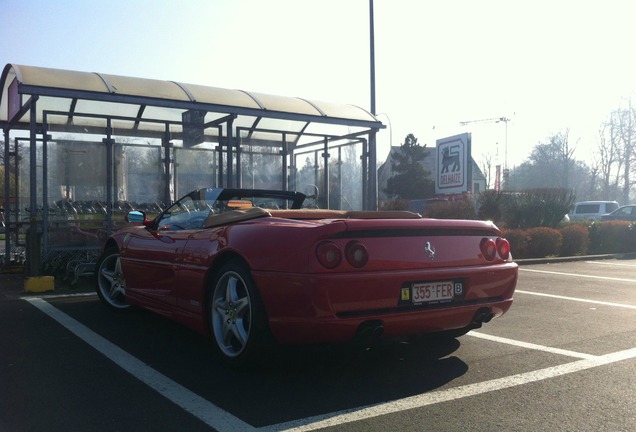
(536, 207)
(544, 242)
(576, 240)
(490, 203)
(518, 240)
(612, 237)
(461, 209)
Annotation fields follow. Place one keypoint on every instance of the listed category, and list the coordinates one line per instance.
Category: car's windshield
(192, 211)
(189, 212)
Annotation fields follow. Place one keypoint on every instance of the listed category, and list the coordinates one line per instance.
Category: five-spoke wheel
(237, 319)
(110, 283)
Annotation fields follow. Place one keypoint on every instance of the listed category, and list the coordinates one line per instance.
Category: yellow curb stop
(38, 284)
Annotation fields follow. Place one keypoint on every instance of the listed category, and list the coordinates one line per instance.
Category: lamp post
(390, 127)
(390, 131)
(372, 56)
(372, 190)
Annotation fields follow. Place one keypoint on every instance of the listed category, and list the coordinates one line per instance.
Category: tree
(624, 120)
(487, 166)
(412, 181)
(555, 158)
(616, 151)
(608, 161)
(552, 165)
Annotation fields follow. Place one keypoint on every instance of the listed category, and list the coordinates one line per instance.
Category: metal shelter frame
(38, 104)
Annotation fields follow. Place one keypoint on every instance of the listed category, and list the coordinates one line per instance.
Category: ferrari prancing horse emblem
(430, 250)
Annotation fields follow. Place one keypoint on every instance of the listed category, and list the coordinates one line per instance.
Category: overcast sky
(547, 65)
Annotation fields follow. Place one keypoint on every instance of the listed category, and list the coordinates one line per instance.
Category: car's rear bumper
(333, 307)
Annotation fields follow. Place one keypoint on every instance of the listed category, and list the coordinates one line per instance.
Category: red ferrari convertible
(253, 267)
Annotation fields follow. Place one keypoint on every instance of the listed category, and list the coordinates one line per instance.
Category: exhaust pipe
(483, 315)
(369, 331)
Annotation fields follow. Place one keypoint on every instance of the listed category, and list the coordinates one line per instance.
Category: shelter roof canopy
(85, 95)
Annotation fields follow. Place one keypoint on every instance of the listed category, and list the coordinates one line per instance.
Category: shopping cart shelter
(82, 148)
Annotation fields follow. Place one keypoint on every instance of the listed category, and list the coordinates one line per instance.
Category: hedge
(573, 239)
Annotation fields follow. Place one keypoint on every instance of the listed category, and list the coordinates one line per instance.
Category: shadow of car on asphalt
(291, 382)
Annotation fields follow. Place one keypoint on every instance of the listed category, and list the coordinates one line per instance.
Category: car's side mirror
(136, 217)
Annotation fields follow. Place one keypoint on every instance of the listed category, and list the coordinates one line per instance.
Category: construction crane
(490, 120)
(495, 120)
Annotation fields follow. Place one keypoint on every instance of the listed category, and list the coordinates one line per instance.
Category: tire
(237, 318)
(109, 280)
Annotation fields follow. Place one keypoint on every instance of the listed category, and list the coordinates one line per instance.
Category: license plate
(426, 292)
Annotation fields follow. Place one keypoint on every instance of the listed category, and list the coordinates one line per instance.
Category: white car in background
(591, 210)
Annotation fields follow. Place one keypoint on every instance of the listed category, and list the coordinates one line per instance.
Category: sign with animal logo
(454, 172)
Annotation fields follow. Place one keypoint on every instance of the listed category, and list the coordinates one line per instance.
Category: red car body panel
(170, 272)
(332, 307)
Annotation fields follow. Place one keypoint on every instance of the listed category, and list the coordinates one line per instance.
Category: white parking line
(191, 402)
(597, 302)
(58, 296)
(611, 263)
(223, 421)
(577, 275)
(431, 398)
(531, 346)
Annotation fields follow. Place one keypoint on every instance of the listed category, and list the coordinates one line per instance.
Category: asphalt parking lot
(562, 359)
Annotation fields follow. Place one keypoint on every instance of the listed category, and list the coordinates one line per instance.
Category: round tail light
(328, 254)
(503, 248)
(488, 248)
(356, 254)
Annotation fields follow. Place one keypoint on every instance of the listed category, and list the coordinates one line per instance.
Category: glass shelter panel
(139, 179)
(23, 180)
(76, 194)
(195, 169)
(76, 171)
(343, 190)
(16, 206)
(261, 166)
(346, 176)
(306, 172)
